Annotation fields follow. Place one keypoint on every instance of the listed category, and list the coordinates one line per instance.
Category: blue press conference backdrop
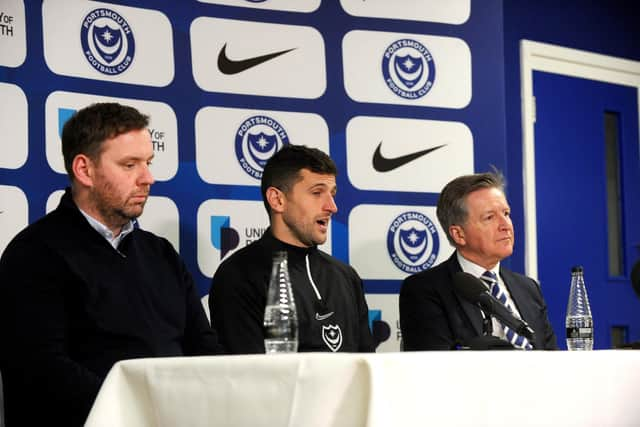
(228, 82)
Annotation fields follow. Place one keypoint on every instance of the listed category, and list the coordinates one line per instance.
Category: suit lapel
(471, 310)
(518, 294)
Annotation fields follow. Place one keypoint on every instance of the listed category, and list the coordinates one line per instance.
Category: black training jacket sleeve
(236, 304)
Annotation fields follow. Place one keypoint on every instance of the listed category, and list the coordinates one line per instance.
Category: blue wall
(605, 27)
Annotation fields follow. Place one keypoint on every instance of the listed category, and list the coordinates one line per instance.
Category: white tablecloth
(489, 388)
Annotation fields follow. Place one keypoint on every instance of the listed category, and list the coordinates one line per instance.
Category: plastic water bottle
(579, 322)
(280, 318)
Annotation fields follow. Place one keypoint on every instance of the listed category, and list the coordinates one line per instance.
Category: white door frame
(569, 62)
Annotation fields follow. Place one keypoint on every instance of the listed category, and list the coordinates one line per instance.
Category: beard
(302, 231)
(116, 210)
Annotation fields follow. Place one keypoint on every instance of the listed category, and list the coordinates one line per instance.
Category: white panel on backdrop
(224, 226)
(449, 12)
(53, 200)
(13, 33)
(232, 145)
(14, 143)
(160, 216)
(256, 58)
(391, 242)
(104, 41)
(411, 69)
(406, 154)
(163, 128)
(14, 213)
(288, 5)
(384, 308)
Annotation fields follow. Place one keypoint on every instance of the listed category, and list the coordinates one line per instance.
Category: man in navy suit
(474, 212)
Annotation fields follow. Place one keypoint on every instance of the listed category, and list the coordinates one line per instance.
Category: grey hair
(452, 203)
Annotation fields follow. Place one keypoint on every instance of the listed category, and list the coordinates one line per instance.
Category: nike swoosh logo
(384, 164)
(230, 66)
(321, 317)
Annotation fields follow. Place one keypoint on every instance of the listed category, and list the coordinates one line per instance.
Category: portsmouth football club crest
(408, 68)
(332, 337)
(412, 242)
(257, 140)
(107, 41)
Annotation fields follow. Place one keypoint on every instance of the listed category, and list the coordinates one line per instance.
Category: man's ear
(83, 170)
(457, 234)
(276, 199)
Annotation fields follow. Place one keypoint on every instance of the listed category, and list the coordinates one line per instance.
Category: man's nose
(331, 205)
(505, 223)
(146, 177)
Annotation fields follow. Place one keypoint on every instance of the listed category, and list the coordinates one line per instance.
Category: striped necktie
(496, 290)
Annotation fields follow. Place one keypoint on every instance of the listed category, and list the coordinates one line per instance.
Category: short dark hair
(282, 170)
(452, 203)
(89, 127)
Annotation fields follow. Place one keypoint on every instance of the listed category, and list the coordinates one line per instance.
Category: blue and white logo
(408, 68)
(257, 140)
(412, 242)
(223, 237)
(107, 41)
(226, 238)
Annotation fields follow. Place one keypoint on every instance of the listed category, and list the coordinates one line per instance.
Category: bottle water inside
(280, 318)
(579, 322)
(280, 336)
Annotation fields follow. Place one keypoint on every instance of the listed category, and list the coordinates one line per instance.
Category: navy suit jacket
(434, 317)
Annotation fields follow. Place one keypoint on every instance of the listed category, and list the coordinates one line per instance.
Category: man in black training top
(84, 287)
(298, 190)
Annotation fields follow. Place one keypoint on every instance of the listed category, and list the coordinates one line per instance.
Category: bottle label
(576, 332)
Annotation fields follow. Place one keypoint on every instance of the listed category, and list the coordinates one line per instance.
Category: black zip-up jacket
(238, 296)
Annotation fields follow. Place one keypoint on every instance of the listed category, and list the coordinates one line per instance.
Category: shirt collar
(275, 244)
(104, 231)
(474, 269)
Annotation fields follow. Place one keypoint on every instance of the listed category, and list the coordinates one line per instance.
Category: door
(588, 199)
